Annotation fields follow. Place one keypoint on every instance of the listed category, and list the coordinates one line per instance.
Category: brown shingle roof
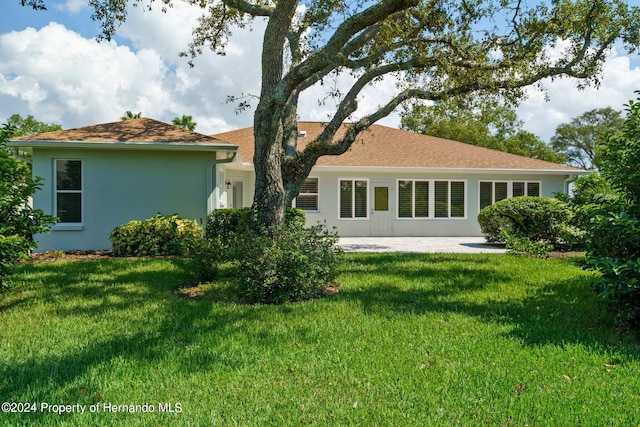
(382, 146)
(134, 130)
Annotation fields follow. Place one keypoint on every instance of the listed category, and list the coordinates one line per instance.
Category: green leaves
(158, 236)
(539, 219)
(18, 220)
(614, 245)
(579, 140)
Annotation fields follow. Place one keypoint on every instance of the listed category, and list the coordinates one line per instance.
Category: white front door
(237, 195)
(381, 209)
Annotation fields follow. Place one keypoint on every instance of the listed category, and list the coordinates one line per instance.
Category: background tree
(18, 221)
(434, 49)
(29, 125)
(128, 115)
(185, 122)
(485, 122)
(578, 139)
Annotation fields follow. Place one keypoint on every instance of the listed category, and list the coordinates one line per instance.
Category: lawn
(408, 340)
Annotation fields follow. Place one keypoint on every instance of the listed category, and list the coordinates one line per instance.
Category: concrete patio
(469, 245)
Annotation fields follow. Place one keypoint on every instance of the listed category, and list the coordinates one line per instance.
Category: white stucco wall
(462, 227)
(121, 185)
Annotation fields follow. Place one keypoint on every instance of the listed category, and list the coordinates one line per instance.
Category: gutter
(571, 178)
(17, 155)
(125, 145)
(228, 159)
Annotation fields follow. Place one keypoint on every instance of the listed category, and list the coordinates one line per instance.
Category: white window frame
(432, 199)
(56, 191)
(316, 194)
(413, 200)
(509, 188)
(353, 199)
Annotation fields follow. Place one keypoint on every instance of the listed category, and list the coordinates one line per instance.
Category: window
(494, 191)
(413, 199)
(449, 199)
(457, 199)
(68, 200)
(381, 199)
(354, 199)
(416, 198)
(307, 199)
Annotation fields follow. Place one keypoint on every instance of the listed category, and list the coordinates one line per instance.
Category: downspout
(17, 155)
(568, 181)
(214, 203)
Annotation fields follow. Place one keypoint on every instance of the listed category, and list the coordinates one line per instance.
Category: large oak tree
(434, 49)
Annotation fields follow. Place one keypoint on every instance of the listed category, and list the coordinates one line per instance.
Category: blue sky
(52, 67)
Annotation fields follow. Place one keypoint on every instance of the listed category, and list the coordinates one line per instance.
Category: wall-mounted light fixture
(227, 184)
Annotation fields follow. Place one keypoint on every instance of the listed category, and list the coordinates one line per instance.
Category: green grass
(409, 340)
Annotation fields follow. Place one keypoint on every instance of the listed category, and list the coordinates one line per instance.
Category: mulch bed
(68, 256)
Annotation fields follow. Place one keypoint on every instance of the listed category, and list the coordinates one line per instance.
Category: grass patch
(428, 339)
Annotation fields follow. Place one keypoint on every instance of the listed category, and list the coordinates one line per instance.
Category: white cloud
(620, 80)
(72, 6)
(66, 78)
(59, 76)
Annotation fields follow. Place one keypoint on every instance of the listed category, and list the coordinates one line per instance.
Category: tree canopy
(433, 49)
(29, 126)
(487, 123)
(185, 122)
(128, 115)
(579, 139)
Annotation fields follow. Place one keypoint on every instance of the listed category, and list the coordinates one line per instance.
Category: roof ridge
(385, 146)
(143, 129)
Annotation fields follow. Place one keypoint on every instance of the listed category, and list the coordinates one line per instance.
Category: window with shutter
(307, 199)
(354, 199)
(494, 191)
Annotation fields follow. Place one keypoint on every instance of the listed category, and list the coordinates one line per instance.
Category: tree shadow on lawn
(136, 316)
(549, 311)
(153, 326)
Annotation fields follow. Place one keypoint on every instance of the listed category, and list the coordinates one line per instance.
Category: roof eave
(450, 170)
(125, 145)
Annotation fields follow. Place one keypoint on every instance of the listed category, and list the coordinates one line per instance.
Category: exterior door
(237, 194)
(381, 209)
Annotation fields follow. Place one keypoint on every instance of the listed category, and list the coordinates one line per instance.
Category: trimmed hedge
(160, 235)
(539, 219)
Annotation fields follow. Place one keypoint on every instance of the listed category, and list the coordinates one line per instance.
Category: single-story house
(398, 183)
(99, 177)
(391, 182)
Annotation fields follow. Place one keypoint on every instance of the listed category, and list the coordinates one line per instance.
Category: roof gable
(142, 130)
(385, 147)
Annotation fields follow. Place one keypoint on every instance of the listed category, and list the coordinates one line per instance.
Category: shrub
(592, 195)
(18, 221)
(226, 225)
(161, 235)
(524, 246)
(206, 254)
(614, 250)
(614, 246)
(539, 219)
(289, 263)
(13, 249)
